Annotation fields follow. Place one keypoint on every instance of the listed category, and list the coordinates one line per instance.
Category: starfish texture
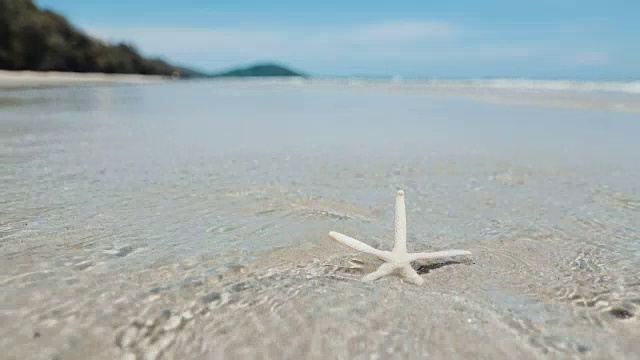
(397, 260)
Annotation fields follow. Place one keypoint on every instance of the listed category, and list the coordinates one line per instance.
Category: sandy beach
(191, 221)
(31, 79)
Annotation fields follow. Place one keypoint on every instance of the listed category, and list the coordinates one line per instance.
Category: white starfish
(397, 260)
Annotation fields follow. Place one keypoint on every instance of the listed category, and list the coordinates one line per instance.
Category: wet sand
(40, 79)
(129, 232)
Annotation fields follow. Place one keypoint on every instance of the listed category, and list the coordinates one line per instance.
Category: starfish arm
(437, 254)
(411, 276)
(357, 244)
(400, 245)
(384, 269)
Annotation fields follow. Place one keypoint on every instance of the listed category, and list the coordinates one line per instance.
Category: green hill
(260, 70)
(42, 40)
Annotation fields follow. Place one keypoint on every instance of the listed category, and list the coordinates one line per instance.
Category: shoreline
(12, 80)
(625, 102)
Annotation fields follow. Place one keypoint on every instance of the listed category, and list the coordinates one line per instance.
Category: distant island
(260, 70)
(41, 40)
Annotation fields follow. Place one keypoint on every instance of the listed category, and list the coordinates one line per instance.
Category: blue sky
(448, 38)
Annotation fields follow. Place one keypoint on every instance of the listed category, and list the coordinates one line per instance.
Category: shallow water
(121, 201)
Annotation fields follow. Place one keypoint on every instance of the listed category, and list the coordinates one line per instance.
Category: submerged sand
(532, 293)
(294, 303)
(140, 222)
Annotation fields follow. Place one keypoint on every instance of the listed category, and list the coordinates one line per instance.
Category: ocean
(115, 195)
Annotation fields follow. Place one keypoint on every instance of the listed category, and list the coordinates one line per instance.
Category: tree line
(42, 40)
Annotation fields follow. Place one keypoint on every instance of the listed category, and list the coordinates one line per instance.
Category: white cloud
(402, 31)
(194, 40)
(591, 58)
(267, 42)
